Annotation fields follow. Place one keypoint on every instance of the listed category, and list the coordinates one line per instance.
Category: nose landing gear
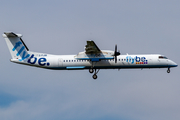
(168, 71)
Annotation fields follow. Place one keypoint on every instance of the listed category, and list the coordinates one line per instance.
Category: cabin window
(74, 60)
(66, 60)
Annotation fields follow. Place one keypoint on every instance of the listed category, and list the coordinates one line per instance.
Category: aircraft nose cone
(172, 64)
(176, 65)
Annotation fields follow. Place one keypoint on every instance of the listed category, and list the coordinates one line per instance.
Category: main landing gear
(168, 71)
(91, 70)
(95, 73)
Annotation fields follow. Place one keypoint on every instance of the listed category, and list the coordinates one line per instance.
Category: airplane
(92, 58)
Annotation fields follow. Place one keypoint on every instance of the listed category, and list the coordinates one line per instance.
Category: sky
(63, 27)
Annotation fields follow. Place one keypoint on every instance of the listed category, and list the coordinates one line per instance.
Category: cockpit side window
(163, 57)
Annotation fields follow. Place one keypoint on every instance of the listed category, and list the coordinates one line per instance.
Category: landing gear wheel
(91, 70)
(168, 71)
(94, 76)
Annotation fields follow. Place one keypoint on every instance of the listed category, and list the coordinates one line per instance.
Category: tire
(94, 76)
(91, 70)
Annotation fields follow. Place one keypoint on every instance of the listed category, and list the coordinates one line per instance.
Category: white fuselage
(70, 62)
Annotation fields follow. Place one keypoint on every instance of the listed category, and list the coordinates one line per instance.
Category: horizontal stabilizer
(11, 34)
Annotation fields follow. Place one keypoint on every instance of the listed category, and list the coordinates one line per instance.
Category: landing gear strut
(168, 71)
(95, 73)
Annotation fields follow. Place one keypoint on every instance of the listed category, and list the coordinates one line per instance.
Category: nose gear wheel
(168, 71)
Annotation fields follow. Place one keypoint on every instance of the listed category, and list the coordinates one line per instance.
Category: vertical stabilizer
(16, 46)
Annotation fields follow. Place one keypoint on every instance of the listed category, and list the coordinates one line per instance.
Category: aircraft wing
(93, 53)
(92, 48)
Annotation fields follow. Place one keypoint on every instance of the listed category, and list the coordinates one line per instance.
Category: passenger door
(60, 62)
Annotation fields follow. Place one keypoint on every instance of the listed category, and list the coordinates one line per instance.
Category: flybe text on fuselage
(136, 60)
(32, 59)
(41, 61)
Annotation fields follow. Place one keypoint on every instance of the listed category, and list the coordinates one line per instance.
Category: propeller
(116, 53)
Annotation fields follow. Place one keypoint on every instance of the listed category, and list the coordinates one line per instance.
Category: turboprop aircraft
(92, 58)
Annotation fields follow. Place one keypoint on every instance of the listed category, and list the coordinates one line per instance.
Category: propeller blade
(115, 59)
(116, 53)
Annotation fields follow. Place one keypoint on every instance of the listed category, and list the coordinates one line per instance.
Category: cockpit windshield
(163, 57)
